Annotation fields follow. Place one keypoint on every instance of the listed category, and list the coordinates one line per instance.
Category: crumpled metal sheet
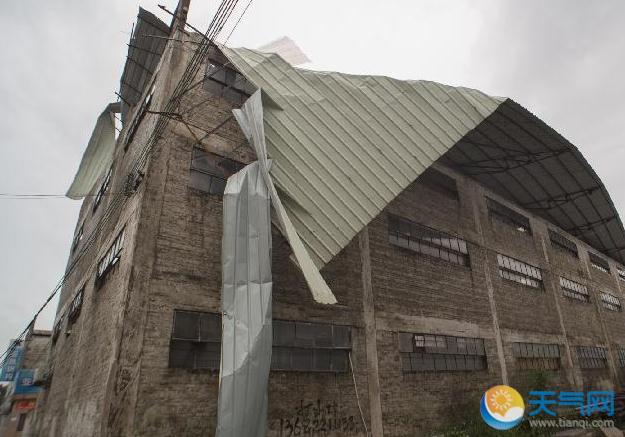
(98, 154)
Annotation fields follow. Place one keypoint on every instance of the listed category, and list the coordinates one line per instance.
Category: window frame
(599, 262)
(199, 347)
(76, 306)
(508, 216)
(537, 356)
(574, 290)
(78, 237)
(110, 258)
(563, 244)
(610, 301)
(592, 357)
(439, 182)
(102, 189)
(232, 167)
(509, 273)
(139, 115)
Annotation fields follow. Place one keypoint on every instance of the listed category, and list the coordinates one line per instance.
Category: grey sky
(61, 62)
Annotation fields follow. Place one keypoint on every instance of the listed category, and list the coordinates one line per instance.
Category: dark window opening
(562, 243)
(427, 241)
(440, 353)
(599, 263)
(56, 331)
(574, 290)
(75, 307)
(209, 172)
(518, 271)
(536, 356)
(77, 238)
(439, 182)
(223, 81)
(195, 340)
(508, 216)
(110, 259)
(21, 421)
(103, 188)
(139, 116)
(310, 347)
(610, 302)
(620, 351)
(592, 357)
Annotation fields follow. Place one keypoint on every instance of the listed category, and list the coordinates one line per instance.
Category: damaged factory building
(372, 252)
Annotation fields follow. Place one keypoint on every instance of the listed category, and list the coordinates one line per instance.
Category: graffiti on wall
(315, 419)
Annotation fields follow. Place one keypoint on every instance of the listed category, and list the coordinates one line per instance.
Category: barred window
(75, 307)
(439, 182)
(610, 302)
(574, 290)
(562, 243)
(621, 274)
(599, 263)
(440, 353)
(427, 241)
(518, 271)
(209, 172)
(104, 186)
(508, 216)
(139, 115)
(620, 351)
(310, 347)
(109, 260)
(195, 340)
(592, 357)
(536, 356)
(77, 237)
(227, 83)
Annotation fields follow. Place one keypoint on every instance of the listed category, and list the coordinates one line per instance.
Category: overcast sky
(62, 59)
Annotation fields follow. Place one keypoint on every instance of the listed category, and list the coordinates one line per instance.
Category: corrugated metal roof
(344, 146)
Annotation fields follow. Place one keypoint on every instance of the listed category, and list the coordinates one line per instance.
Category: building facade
(450, 289)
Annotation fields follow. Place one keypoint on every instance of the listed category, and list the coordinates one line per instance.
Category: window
(621, 274)
(109, 260)
(427, 241)
(103, 188)
(508, 216)
(74, 309)
(227, 83)
(209, 172)
(195, 340)
(310, 347)
(518, 271)
(574, 290)
(536, 356)
(599, 263)
(440, 353)
(610, 302)
(139, 115)
(592, 357)
(77, 238)
(56, 331)
(21, 422)
(440, 182)
(620, 351)
(562, 243)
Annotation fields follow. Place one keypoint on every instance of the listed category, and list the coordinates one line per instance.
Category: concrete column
(375, 403)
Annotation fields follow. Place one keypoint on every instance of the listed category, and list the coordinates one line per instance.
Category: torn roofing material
(344, 146)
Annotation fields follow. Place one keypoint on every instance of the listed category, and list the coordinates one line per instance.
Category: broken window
(77, 237)
(139, 115)
(536, 356)
(439, 182)
(110, 259)
(310, 347)
(195, 340)
(76, 305)
(508, 216)
(592, 357)
(610, 302)
(599, 263)
(562, 243)
(223, 81)
(103, 188)
(427, 241)
(518, 271)
(209, 172)
(574, 290)
(440, 353)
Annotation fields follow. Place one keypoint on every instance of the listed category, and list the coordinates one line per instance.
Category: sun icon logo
(502, 407)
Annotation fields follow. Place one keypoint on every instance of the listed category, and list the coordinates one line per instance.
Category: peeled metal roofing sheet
(344, 146)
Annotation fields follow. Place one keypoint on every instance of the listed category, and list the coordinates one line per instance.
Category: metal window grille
(610, 302)
(103, 188)
(574, 290)
(621, 274)
(75, 307)
(139, 116)
(439, 182)
(599, 263)
(78, 237)
(195, 340)
(227, 83)
(310, 347)
(440, 353)
(110, 258)
(562, 243)
(508, 216)
(536, 356)
(621, 356)
(518, 271)
(427, 241)
(209, 172)
(592, 357)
